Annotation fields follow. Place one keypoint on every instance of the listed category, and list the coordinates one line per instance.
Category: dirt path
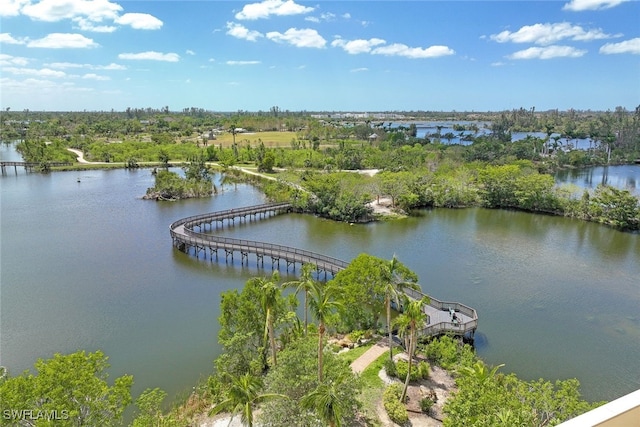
(80, 157)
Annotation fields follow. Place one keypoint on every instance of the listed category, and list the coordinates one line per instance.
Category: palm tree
(306, 283)
(322, 304)
(242, 395)
(480, 372)
(270, 295)
(416, 318)
(402, 324)
(393, 286)
(326, 401)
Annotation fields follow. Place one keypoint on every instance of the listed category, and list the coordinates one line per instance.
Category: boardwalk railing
(184, 237)
(28, 165)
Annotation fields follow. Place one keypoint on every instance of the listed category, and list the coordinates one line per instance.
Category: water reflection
(619, 176)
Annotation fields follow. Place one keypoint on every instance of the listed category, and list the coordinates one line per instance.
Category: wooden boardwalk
(27, 165)
(441, 319)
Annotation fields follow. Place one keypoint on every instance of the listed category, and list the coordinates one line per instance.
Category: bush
(449, 353)
(395, 409)
(426, 403)
(356, 336)
(418, 372)
(390, 368)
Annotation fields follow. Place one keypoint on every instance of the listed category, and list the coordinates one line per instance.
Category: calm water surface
(624, 176)
(89, 265)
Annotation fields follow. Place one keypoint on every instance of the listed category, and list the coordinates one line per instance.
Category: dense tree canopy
(70, 389)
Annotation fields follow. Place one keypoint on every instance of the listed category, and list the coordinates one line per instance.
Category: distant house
(210, 136)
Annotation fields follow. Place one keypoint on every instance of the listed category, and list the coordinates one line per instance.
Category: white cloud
(87, 15)
(267, 8)
(327, 16)
(399, 49)
(12, 7)
(92, 76)
(580, 5)
(546, 34)
(35, 87)
(151, 56)
(497, 64)
(243, 62)
(8, 60)
(84, 24)
(43, 72)
(63, 41)
(548, 52)
(67, 65)
(628, 46)
(359, 70)
(239, 31)
(9, 39)
(312, 19)
(28, 85)
(357, 46)
(140, 21)
(190, 52)
(299, 38)
(112, 66)
(347, 15)
(57, 10)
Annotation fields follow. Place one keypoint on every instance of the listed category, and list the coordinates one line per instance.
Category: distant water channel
(89, 265)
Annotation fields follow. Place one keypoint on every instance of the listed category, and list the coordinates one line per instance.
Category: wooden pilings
(185, 237)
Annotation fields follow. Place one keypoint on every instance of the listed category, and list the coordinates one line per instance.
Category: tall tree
(322, 304)
(269, 300)
(242, 326)
(327, 401)
(416, 318)
(71, 388)
(305, 284)
(392, 287)
(243, 394)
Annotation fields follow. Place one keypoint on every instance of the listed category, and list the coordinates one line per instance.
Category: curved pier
(443, 317)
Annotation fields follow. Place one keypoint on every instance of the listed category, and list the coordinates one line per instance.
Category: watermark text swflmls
(35, 414)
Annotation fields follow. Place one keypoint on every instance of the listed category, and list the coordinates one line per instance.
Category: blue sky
(74, 55)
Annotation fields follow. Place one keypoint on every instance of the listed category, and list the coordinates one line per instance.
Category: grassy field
(270, 139)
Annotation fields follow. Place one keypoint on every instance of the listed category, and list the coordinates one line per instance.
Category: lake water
(621, 176)
(89, 265)
(433, 128)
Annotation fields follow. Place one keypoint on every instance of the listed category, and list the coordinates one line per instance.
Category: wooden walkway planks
(440, 319)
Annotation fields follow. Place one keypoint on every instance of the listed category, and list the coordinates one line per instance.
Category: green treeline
(170, 186)
(293, 373)
(519, 185)
(415, 172)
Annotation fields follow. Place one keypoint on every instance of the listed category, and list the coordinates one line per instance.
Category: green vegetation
(170, 186)
(392, 400)
(416, 172)
(270, 358)
(307, 384)
(150, 413)
(70, 389)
